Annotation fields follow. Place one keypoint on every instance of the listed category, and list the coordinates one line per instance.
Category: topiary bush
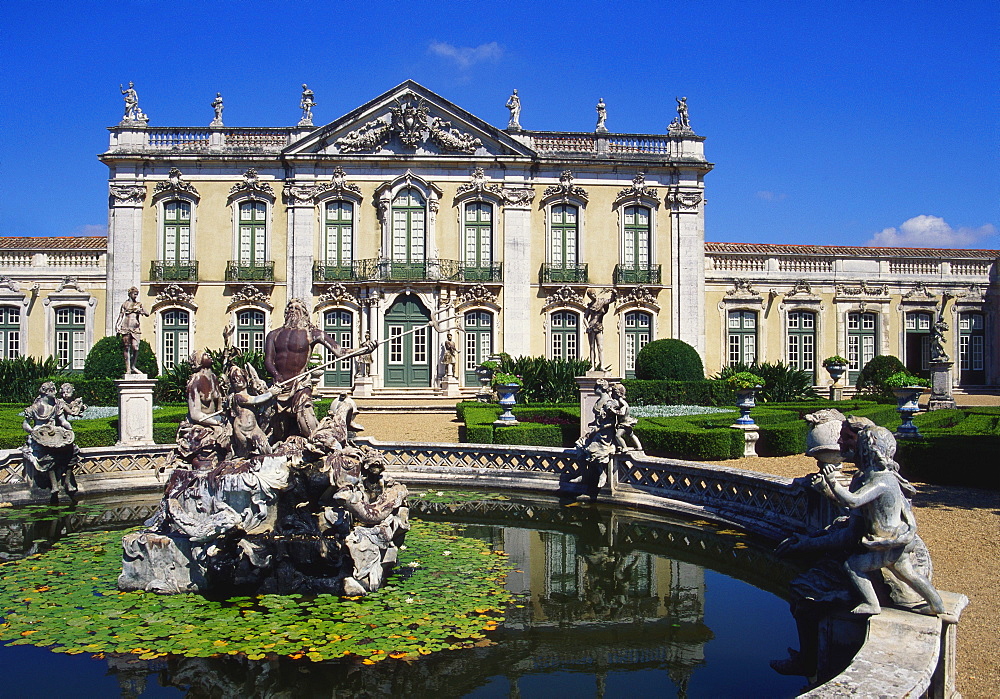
(106, 360)
(871, 380)
(671, 360)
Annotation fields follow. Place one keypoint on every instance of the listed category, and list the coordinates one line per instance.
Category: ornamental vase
(507, 393)
(907, 403)
(745, 402)
(836, 371)
(485, 376)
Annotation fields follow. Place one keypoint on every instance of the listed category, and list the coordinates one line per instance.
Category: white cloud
(767, 195)
(467, 56)
(931, 232)
(90, 229)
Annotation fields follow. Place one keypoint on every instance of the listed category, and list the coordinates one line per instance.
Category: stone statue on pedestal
(938, 341)
(130, 331)
(217, 108)
(306, 104)
(602, 117)
(593, 320)
(133, 115)
(449, 357)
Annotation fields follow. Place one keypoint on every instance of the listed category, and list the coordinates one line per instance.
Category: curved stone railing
(904, 654)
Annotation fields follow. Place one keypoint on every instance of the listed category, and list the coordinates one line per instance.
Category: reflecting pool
(605, 603)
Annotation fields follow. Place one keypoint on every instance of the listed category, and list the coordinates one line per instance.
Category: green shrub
(545, 380)
(669, 360)
(871, 380)
(781, 382)
(20, 377)
(531, 434)
(92, 391)
(704, 392)
(106, 359)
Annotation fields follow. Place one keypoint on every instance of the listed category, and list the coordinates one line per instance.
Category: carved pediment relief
(801, 291)
(565, 296)
(565, 189)
(252, 186)
(864, 290)
(919, 292)
(638, 192)
(638, 296)
(174, 294)
(743, 289)
(407, 120)
(336, 295)
(175, 185)
(250, 295)
(973, 293)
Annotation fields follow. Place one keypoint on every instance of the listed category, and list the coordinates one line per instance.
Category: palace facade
(410, 209)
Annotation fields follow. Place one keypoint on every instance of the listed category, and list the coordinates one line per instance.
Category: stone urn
(507, 393)
(485, 376)
(836, 371)
(907, 403)
(745, 401)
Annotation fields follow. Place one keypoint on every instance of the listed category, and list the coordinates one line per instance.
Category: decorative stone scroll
(637, 296)
(479, 184)
(252, 295)
(338, 293)
(338, 185)
(127, 193)
(565, 296)
(176, 294)
(685, 201)
(638, 191)
(973, 293)
(368, 137)
(477, 294)
(863, 289)
(743, 289)
(301, 194)
(565, 188)
(411, 121)
(69, 283)
(518, 196)
(252, 185)
(8, 284)
(919, 291)
(175, 185)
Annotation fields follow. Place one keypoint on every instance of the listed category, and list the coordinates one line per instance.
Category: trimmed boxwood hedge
(704, 392)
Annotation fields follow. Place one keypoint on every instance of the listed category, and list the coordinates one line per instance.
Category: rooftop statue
(217, 108)
(133, 114)
(50, 454)
(602, 117)
(306, 104)
(514, 105)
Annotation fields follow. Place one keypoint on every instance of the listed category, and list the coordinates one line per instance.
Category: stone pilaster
(124, 245)
(301, 214)
(687, 298)
(517, 276)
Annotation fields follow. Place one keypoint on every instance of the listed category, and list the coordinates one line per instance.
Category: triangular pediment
(409, 119)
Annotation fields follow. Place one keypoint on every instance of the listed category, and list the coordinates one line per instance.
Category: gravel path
(960, 525)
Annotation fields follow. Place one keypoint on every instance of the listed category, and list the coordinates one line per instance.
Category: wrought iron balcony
(324, 272)
(237, 271)
(482, 273)
(173, 271)
(637, 274)
(564, 273)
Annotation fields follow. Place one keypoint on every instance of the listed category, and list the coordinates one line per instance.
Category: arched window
(250, 330)
(972, 348)
(253, 232)
(862, 342)
(478, 343)
(174, 338)
(339, 325)
(564, 231)
(409, 219)
(10, 332)
(638, 326)
(478, 220)
(742, 329)
(71, 337)
(636, 251)
(802, 341)
(564, 335)
(338, 247)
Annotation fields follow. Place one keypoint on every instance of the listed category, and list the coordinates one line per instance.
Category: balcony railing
(482, 273)
(566, 273)
(173, 271)
(324, 272)
(237, 271)
(637, 274)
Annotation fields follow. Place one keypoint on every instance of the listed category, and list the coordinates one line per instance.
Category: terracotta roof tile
(89, 242)
(842, 251)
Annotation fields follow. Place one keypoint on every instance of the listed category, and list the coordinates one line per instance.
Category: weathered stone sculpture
(262, 507)
(133, 115)
(602, 117)
(449, 356)
(514, 105)
(49, 453)
(872, 551)
(217, 107)
(593, 319)
(130, 331)
(610, 432)
(306, 104)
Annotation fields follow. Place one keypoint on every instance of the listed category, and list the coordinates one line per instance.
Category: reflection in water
(606, 603)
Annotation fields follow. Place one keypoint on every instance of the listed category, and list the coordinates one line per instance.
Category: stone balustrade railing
(848, 266)
(202, 139)
(96, 259)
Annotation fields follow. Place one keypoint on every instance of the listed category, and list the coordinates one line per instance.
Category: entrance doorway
(407, 357)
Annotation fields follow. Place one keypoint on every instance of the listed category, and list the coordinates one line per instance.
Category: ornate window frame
(384, 195)
(11, 295)
(69, 294)
(565, 193)
(638, 194)
(252, 189)
(479, 189)
(338, 189)
(175, 189)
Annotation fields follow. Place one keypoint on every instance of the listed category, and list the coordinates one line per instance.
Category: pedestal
(836, 392)
(364, 387)
(750, 437)
(586, 384)
(135, 411)
(451, 386)
(941, 397)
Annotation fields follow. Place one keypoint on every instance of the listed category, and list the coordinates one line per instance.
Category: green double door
(407, 357)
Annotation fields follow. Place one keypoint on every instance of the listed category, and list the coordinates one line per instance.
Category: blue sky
(835, 123)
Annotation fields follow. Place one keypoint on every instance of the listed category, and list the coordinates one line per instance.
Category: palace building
(409, 209)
